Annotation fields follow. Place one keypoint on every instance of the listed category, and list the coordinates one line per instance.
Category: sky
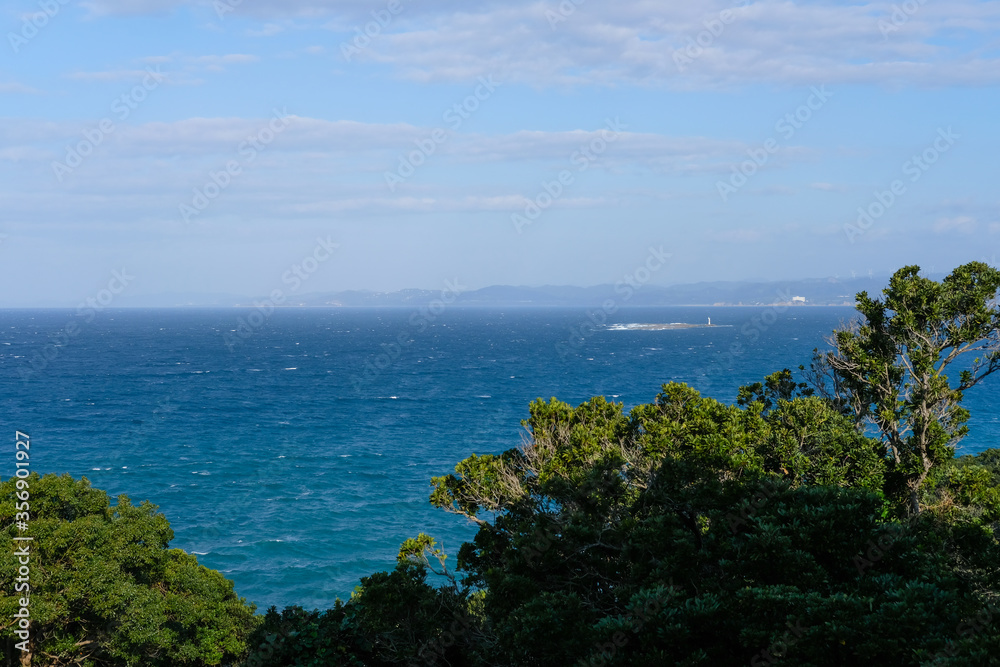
(212, 146)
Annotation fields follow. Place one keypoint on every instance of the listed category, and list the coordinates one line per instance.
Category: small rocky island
(664, 327)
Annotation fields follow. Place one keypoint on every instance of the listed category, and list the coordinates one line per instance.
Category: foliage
(392, 618)
(105, 588)
(967, 486)
(690, 532)
(888, 370)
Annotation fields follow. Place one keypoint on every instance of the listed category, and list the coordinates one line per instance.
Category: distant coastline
(796, 293)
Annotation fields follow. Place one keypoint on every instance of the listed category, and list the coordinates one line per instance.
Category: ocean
(293, 450)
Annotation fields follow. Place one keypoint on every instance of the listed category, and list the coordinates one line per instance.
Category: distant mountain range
(812, 292)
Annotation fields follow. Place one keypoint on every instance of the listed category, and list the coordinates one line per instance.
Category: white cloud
(267, 30)
(737, 235)
(263, 9)
(112, 75)
(132, 7)
(185, 72)
(505, 203)
(827, 187)
(228, 59)
(659, 45)
(24, 153)
(218, 63)
(210, 136)
(675, 45)
(602, 148)
(962, 224)
(315, 167)
(14, 88)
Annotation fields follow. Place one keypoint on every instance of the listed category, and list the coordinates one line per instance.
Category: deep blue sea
(296, 459)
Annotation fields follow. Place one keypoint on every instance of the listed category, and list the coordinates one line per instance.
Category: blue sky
(206, 145)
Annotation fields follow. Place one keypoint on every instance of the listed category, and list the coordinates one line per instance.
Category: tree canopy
(106, 589)
(888, 369)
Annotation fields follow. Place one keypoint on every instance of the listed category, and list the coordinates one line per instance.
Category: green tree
(690, 532)
(889, 369)
(105, 588)
(393, 618)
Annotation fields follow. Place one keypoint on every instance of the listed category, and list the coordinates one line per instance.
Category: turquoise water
(297, 458)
